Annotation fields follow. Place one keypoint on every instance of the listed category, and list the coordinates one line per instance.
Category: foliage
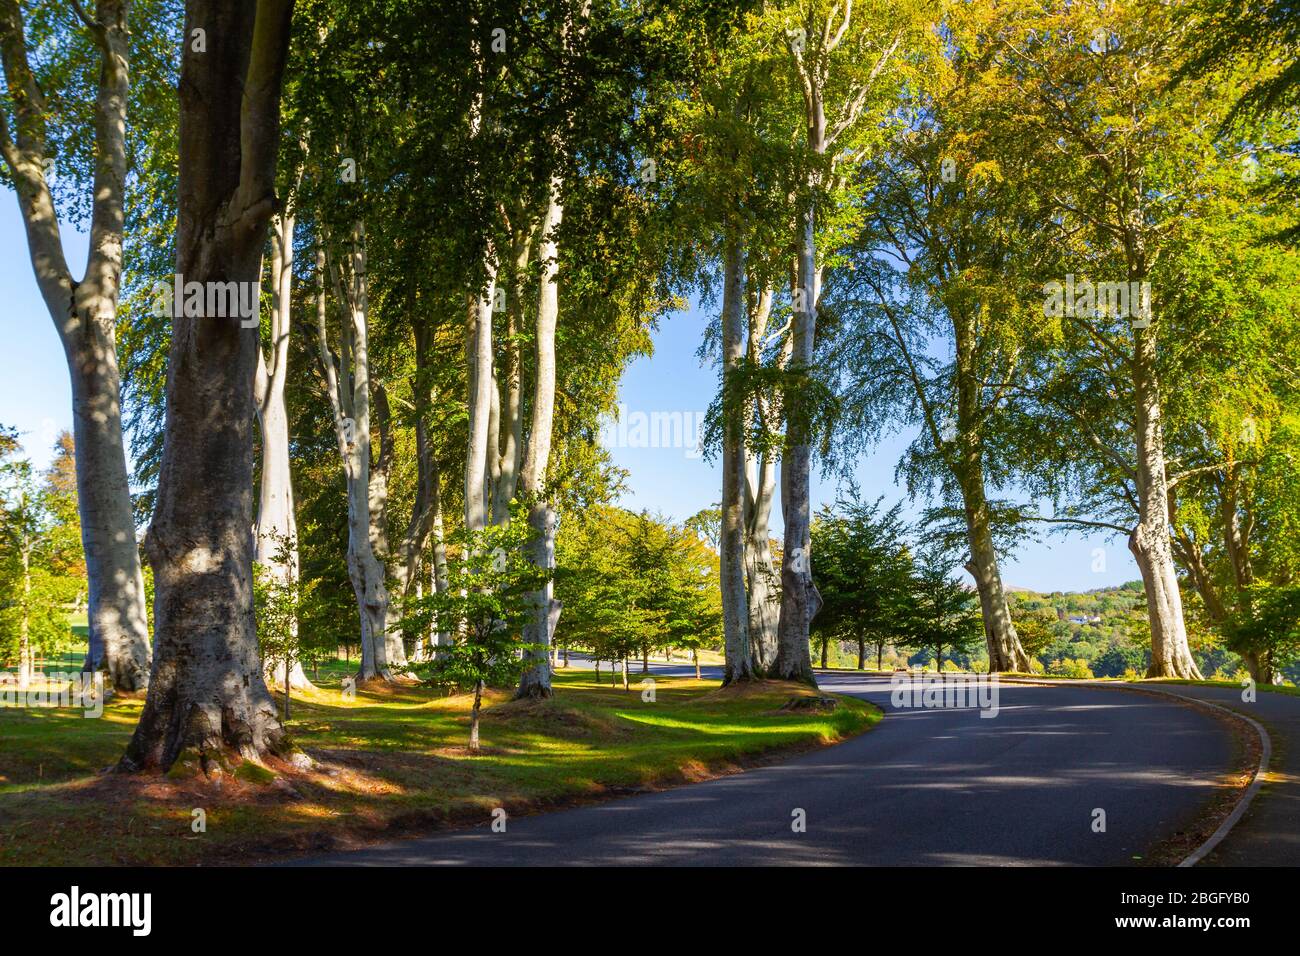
(483, 609)
(1269, 626)
(630, 583)
(864, 573)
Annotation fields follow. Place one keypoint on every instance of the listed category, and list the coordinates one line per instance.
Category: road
(1269, 834)
(926, 787)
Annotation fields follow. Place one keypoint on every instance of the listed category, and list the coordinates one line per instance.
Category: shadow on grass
(388, 760)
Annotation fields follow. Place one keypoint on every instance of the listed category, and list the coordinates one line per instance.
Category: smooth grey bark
(800, 600)
(1150, 538)
(478, 357)
(735, 613)
(1000, 637)
(509, 408)
(439, 582)
(762, 584)
(539, 630)
(277, 530)
(347, 385)
(206, 693)
(536, 679)
(85, 316)
(394, 565)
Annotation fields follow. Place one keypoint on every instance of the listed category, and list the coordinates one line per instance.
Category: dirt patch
(811, 704)
(758, 688)
(553, 718)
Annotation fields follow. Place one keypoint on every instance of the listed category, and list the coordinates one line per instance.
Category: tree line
(377, 305)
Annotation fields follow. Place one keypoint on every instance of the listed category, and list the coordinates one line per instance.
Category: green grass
(1290, 690)
(390, 761)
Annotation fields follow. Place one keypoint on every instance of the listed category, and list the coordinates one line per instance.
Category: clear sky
(35, 398)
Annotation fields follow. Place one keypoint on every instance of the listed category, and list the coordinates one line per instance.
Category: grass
(390, 761)
(1288, 689)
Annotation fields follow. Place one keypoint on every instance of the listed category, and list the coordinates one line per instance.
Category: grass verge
(391, 761)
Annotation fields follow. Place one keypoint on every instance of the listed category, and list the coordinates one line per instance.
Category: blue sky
(35, 398)
(678, 483)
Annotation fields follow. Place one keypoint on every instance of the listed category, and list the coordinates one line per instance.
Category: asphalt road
(1269, 833)
(926, 787)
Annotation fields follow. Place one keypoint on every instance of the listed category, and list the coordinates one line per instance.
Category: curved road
(926, 787)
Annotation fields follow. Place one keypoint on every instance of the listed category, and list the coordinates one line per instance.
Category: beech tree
(207, 694)
(1135, 193)
(84, 311)
(846, 61)
(941, 317)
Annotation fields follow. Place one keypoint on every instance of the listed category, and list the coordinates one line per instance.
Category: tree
(1137, 197)
(85, 312)
(276, 521)
(864, 574)
(35, 584)
(1268, 630)
(944, 612)
(207, 693)
(279, 601)
(486, 608)
(845, 63)
(938, 309)
(348, 387)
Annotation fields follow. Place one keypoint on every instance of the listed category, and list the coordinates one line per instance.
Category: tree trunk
(1150, 538)
(1000, 637)
(404, 564)
(536, 679)
(439, 583)
(862, 654)
(695, 656)
(24, 627)
(277, 529)
(509, 457)
(735, 614)
(762, 595)
(761, 598)
(85, 316)
(474, 716)
(394, 646)
(478, 356)
(348, 389)
(800, 601)
(207, 694)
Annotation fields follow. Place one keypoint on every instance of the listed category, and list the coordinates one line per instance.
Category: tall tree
(207, 693)
(845, 61)
(85, 314)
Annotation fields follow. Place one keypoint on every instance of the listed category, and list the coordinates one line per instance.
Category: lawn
(389, 761)
(1289, 689)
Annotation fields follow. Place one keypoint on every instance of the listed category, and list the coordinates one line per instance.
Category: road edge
(1251, 789)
